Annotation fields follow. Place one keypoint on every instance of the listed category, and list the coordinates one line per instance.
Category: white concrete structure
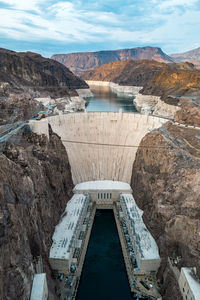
(66, 235)
(39, 288)
(145, 247)
(100, 145)
(189, 286)
(103, 193)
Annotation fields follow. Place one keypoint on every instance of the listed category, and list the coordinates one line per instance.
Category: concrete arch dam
(100, 145)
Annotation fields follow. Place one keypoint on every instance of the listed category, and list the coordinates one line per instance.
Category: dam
(100, 145)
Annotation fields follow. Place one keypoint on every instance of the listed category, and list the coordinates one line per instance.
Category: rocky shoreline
(149, 104)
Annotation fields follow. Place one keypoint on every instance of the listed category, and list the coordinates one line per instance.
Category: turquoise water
(106, 100)
(104, 275)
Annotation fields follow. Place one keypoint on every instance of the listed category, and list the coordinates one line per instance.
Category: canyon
(158, 88)
(43, 160)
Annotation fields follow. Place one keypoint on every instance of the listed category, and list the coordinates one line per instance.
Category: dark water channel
(106, 100)
(104, 275)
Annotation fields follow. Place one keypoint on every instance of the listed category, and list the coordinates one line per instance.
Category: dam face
(100, 145)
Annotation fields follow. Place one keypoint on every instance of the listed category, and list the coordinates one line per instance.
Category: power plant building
(189, 286)
(67, 235)
(145, 247)
(103, 192)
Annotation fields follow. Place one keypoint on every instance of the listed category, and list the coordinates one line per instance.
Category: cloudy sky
(49, 26)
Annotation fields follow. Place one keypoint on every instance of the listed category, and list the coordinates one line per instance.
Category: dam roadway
(100, 145)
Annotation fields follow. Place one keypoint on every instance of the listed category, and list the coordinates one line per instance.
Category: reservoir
(106, 100)
(104, 275)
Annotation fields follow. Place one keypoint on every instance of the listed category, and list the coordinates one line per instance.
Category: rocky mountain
(192, 56)
(18, 107)
(189, 114)
(156, 78)
(166, 186)
(83, 61)
(39, 76)
(35, 185)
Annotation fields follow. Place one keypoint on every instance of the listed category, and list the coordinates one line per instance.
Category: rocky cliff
(189, 114)
(39, 76)
(83, 61)
(35, 185)
(18, 107)
(192, 56)
(166, 186)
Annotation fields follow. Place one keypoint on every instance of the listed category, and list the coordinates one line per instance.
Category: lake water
(104, 275)
(106, 100)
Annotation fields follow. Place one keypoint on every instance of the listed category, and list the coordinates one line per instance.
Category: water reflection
(106, 100)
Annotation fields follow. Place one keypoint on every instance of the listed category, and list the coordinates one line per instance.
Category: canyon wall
(35, 185)
(100, 145)
(31, 73)
(166, 186)
(82, 61)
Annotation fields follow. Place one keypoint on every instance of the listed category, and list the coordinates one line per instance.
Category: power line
(110, 145)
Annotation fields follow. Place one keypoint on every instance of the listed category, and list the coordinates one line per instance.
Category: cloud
(23, 4)
(169, 4)
(173, 24)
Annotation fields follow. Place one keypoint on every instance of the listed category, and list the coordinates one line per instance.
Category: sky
(49, 27)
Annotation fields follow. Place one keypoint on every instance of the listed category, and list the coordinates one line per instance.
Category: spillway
(100, 145)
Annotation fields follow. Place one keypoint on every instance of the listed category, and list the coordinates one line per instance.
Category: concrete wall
(100, 145)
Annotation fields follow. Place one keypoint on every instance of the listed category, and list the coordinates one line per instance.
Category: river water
(104, 275)
(106, 100)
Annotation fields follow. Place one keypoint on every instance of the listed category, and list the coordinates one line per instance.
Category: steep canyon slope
(35, 185)
(157, 78)
(166, 186)
(192, 56)
(31, 73)
(83, 61)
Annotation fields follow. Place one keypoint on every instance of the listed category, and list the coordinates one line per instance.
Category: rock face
(192, 56)
(18, 107)
(166, 185)
(149, 104)
(35, 185)
(189, 114)
(129, 72)
(39, 76)
(83, 61)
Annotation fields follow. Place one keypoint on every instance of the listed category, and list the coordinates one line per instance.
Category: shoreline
(144, 104)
